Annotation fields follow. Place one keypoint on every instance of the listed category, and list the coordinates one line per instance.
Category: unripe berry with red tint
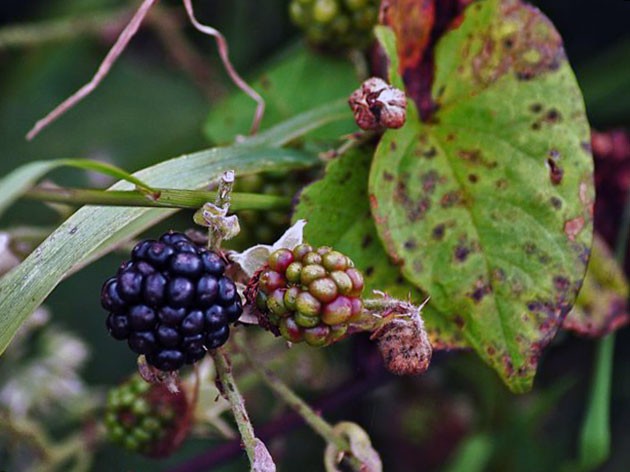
(147, 418)
(310, 294)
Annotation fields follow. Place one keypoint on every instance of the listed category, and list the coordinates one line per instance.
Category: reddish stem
(113, 54)
(223, 53)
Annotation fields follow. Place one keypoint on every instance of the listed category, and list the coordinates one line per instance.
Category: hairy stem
(168, 198)
(237, 403)
(310, 416)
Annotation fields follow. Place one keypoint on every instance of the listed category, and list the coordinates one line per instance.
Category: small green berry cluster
(310, 294)
(145, 418)
(264, 227)
(336, 23)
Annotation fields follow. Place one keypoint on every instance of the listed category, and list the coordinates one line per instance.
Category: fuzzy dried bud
(376, 105)
(404, 346)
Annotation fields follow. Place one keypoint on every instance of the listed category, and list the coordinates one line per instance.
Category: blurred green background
(456, 418)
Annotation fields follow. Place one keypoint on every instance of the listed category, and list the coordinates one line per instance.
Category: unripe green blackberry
(146, 418)
(310, 294)
(336, 23)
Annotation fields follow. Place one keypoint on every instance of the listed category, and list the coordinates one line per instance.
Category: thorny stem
(237, 403)
(168, 198)
(113, 54)
(311, 417)
(223, 53)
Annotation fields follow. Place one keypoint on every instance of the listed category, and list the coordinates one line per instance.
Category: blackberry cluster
(310, 294)
(336, 23)
(146, 418)
(171, 301)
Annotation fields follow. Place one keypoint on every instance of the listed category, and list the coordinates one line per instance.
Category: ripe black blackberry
(171, 301)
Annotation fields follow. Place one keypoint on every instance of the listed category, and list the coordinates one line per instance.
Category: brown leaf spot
(387, 177)
(429, 181)
(461, 253)
(472, 178)
(366, 241)
(438, 231)
(573, 227)
(553, 116)
(451, 199)
(555, 172)
(501, 184)
(556, 202)
(411, 245)
(535, 108)
(430, 153)
(507, 364)
(480, 290)
(369, 271)
(473, 156)
(498, 275)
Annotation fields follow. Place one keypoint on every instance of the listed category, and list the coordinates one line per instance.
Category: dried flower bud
(378, 105)
(404, 346)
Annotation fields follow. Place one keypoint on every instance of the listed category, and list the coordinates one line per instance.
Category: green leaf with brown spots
(487, 206)
(338, 214)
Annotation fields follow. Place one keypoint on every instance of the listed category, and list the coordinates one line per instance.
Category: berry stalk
(230, 391)
(311, 417)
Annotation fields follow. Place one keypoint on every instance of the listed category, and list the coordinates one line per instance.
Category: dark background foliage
(149, 109)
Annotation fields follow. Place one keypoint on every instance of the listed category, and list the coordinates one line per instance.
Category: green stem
(595, 434)
(31, 34)
(314, 420)
(237, 403)
(168, 198)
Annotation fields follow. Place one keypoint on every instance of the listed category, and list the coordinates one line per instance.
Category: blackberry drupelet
(171, 301)
(309, 294)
